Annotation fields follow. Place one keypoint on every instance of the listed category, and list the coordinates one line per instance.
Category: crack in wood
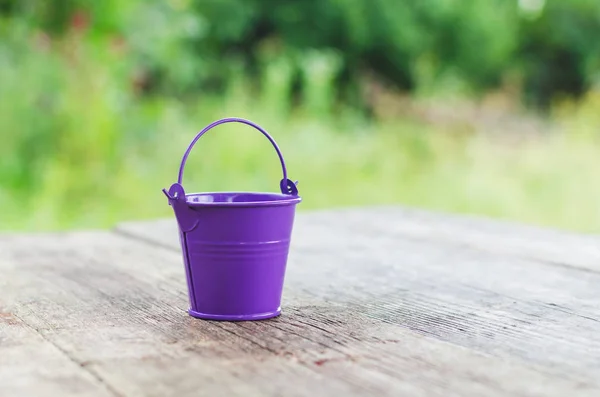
(84, 365)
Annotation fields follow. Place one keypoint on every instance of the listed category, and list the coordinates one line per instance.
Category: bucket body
(236, 255)
(235, 246)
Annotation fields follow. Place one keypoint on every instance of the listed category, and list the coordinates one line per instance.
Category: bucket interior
(240, 198)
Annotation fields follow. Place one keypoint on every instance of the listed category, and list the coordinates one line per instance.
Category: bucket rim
(282, 199)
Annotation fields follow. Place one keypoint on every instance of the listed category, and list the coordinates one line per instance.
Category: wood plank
(523, 241)
(384, 316)
(30, 364)
(506, 238)
(496, 303)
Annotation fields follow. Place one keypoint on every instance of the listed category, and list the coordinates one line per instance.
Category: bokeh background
(487, 107)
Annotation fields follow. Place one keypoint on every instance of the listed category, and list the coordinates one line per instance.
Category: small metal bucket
(235, 245)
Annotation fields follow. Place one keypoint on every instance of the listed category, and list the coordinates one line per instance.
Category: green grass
(81, 150)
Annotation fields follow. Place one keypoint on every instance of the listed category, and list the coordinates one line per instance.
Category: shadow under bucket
(235, 244)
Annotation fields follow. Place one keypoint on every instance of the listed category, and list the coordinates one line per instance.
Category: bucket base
(241, 317)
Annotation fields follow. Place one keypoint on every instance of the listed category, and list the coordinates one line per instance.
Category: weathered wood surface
(380, 301)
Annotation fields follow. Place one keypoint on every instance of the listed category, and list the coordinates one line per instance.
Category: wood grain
(498, 237)
(366, 312)
(495, 303)
(30, 364)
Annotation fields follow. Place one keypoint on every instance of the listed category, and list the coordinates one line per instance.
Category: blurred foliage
(180, 46)
(99, 99)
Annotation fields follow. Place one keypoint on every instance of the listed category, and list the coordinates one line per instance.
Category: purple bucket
(235, 244)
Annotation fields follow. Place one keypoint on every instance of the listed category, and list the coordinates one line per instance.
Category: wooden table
(377, 302)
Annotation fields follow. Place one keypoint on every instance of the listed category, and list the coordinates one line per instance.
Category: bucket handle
(286, 185)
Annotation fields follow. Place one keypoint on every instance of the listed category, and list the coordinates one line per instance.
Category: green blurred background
(488, 107)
